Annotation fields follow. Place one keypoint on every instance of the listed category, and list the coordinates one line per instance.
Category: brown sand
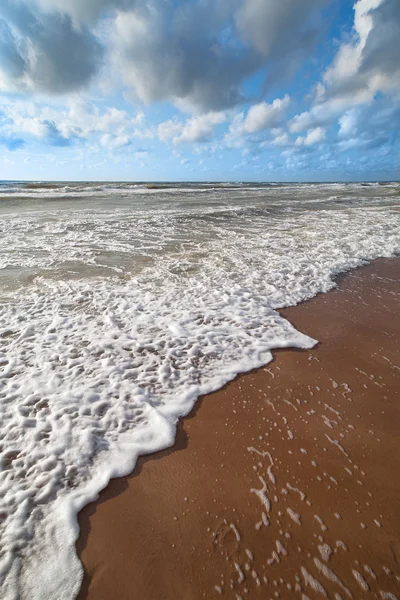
(315, 432)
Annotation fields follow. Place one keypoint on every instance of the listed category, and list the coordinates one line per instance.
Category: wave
(34, 188)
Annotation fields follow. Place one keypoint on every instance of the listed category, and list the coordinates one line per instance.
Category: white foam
(321, 523)
(329, 574)
(325, 551)
(295, 489)
(360, 580)
(241, 575)
(115, 319)
(281, 548)
(294, 516)
(313, 583)
(262, 494)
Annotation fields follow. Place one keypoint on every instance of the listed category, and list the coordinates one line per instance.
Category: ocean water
(119, 305)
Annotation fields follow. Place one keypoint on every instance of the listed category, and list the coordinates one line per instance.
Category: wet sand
(284, 484)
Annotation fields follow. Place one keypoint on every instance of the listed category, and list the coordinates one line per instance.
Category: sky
(214, 90)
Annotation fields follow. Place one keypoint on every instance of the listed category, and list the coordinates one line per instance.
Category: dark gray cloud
(278, 28)
(11, 60)
(163, 54)
(197, 52)
(44, 51)
(382, 48)
(201, 52)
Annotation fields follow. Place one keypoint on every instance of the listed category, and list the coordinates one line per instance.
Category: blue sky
(199, 90)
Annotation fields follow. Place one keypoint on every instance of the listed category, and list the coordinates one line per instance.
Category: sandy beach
(284, 484)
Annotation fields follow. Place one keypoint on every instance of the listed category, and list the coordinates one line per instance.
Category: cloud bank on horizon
(199, 89)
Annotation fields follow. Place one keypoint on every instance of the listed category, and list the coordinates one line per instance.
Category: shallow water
(120, 305)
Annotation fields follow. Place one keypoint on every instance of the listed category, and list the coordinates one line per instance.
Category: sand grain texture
(284, 484)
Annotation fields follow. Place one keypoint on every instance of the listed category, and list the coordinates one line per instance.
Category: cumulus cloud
(260, 116)
(363, 67)
(348, 123)
(199, 55)
(165, 57)
(369, 63)
(163, 54)
(318, 116)
(115, 142)
(364, 142)
(194, 130)
(44, 52)
(169, 130)
(281, 138)
(366, 128)
(199, 129)
(159, 50)
(76, 122)
(314, 136)
(40, 128)
(371, 126)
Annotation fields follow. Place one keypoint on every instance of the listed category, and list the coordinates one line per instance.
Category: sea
(121, 304)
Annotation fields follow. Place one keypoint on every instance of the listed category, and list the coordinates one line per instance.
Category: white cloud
(302, 121)
(158, 50)
(114, 142)
(76, 120)
(314, 136)
(281, 139)
(200, 129)
(193, 130)
(371, 126)
(363, 66)
(169, 130)
(348, 123)
(260, 117)
(348, 60)
(364, 142)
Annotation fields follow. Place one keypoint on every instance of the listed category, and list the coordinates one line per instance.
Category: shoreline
(249, 504)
